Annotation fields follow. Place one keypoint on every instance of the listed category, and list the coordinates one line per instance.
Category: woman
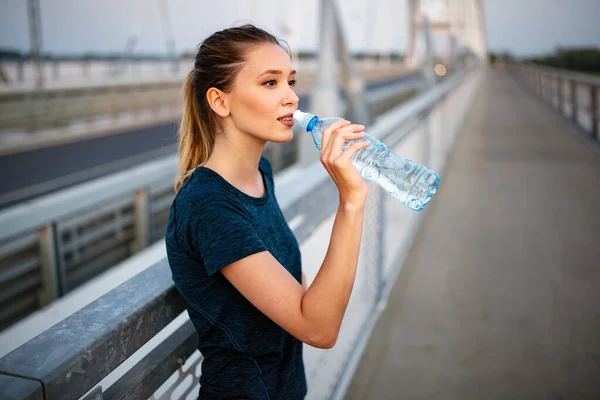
(234, 259)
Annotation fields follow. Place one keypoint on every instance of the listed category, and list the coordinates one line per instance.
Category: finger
(328, 149)
(330, 129)
(348, 132)
(341, 136)
(353, 149)
(352, 135)
(336, 144)
(351, 128)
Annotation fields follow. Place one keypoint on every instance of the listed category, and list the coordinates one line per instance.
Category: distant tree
(9, 54)
(575, 59)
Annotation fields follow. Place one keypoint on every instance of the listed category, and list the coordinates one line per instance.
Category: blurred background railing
(574, 95)
(21, 73)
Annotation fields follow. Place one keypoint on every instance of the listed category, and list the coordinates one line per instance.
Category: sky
(522, 27)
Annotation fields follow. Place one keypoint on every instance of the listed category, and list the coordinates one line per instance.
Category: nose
(290, 99)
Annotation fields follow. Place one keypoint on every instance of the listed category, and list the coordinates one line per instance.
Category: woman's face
(262, 99)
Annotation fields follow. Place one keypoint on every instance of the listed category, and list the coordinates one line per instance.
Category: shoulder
(203, 198)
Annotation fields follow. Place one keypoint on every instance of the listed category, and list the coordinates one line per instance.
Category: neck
(235, 157)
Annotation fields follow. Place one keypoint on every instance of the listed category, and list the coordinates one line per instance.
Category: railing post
(573, 86)
(61, 268)
(142, 213)
(49, 290)
(544, 86)
(594, 110)
(559, 93)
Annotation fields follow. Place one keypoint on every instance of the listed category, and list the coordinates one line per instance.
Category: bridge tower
(461, 20)
(35, 37)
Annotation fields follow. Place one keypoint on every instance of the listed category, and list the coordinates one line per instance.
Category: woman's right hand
(338, 163)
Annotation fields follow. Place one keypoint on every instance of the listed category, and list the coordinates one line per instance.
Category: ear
(218, 101)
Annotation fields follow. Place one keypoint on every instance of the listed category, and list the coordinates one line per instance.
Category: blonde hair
(218, 60)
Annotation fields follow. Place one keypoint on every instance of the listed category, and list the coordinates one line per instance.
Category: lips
(287, 120)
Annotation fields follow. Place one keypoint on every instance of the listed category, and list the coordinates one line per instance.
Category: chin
(282, 137)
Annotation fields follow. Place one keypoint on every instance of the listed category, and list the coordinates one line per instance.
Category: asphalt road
(27, 175)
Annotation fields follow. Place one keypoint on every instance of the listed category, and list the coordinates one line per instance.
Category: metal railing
(21, 72)
(77, 356)
(52, 245)
(572, 94)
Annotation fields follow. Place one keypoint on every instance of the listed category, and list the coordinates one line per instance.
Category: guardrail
(572, 94)
(79, 356)
(51, 245)
(22, 72)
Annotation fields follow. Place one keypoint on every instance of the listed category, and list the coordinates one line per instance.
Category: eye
(292, 83)
(270, 83)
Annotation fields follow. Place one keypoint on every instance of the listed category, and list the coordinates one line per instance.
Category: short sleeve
(221, 231)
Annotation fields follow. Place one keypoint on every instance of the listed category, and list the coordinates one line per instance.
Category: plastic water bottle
(411, 183)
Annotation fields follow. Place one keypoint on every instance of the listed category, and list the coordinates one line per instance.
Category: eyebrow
(276, 72)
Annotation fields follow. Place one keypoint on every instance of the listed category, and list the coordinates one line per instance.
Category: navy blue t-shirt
(211, 225)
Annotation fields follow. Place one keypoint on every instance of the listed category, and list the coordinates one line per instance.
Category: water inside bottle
(411, 183)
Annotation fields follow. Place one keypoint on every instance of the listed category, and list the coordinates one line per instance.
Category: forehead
(265, 57)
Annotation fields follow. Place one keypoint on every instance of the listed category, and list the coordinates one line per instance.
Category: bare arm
(314, 316)
(335, 279)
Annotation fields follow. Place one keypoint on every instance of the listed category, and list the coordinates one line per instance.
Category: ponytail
(196, 142)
